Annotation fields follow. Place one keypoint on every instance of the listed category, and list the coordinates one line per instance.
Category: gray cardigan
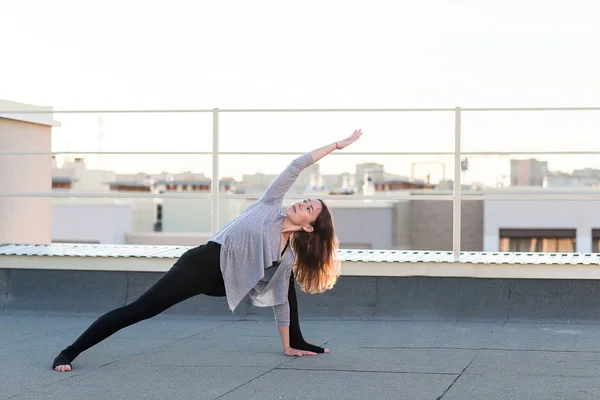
(251, 244)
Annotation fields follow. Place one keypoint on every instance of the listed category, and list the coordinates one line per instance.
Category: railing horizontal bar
(121, 195)
(515, 153)
(438, 197)
(442, 197)
(292, 153)
(178, 195)
(431, 153)
(531, 109)
(570, 197)
(53, 153)
(231, 110)
(299, 110)
(8, 112)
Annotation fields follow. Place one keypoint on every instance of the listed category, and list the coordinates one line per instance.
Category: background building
(25, 219)
(528, 172)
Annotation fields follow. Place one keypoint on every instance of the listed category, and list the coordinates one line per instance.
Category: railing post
(456, 215)
(214, 223)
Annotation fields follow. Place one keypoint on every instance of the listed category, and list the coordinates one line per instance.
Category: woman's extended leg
(184, 280)
(296, 339)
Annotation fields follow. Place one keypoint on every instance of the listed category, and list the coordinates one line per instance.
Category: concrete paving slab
(211, 354)
(389, 360)
(248, 343)
(59, 332)
(294, 384)
(523, 362)
(212, 357)
(510, 336)
(523, 387)
(26, 369)
(134, 382)
(313, 331)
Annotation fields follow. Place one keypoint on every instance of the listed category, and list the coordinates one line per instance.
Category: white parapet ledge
(40, 115)
(468, 270)
(392, 263)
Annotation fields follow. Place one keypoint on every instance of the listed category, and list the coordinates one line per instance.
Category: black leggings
(196, 272)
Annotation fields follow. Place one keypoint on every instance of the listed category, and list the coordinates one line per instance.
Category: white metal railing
(457, 196)
(290, 153)
(409, 196)
(457, 201)
(215, 185)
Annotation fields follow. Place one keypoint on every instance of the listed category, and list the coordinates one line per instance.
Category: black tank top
(282, 253)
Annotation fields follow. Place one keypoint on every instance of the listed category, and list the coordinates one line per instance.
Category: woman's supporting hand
(297, 353)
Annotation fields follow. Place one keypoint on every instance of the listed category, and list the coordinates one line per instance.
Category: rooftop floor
(174, 357)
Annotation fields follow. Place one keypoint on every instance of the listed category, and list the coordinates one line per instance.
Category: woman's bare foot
(63, 368)
(62, 363)
(301, 344)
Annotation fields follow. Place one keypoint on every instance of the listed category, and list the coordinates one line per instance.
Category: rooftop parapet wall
(374, 283)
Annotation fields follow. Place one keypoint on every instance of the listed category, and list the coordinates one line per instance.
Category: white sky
(314, 54)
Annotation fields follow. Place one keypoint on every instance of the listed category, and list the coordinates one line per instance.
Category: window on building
(354, 245)
(538, 240)
(82, 241)
(159, 213)
(596, 240)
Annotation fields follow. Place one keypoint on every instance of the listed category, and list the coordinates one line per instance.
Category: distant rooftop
(184, 182)
(63, 179)
(44, 118)
(130, 184)
(400, 180)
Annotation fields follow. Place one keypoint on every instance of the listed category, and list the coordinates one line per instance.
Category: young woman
(250, 257)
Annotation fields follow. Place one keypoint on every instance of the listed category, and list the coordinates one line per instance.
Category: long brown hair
(316, 267)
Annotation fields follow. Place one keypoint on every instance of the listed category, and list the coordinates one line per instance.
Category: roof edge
(27, 113)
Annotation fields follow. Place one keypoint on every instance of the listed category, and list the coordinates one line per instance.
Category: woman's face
(304, 213)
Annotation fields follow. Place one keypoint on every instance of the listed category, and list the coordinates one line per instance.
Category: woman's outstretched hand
(321, 152)
(340, 144)
(290, 352)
